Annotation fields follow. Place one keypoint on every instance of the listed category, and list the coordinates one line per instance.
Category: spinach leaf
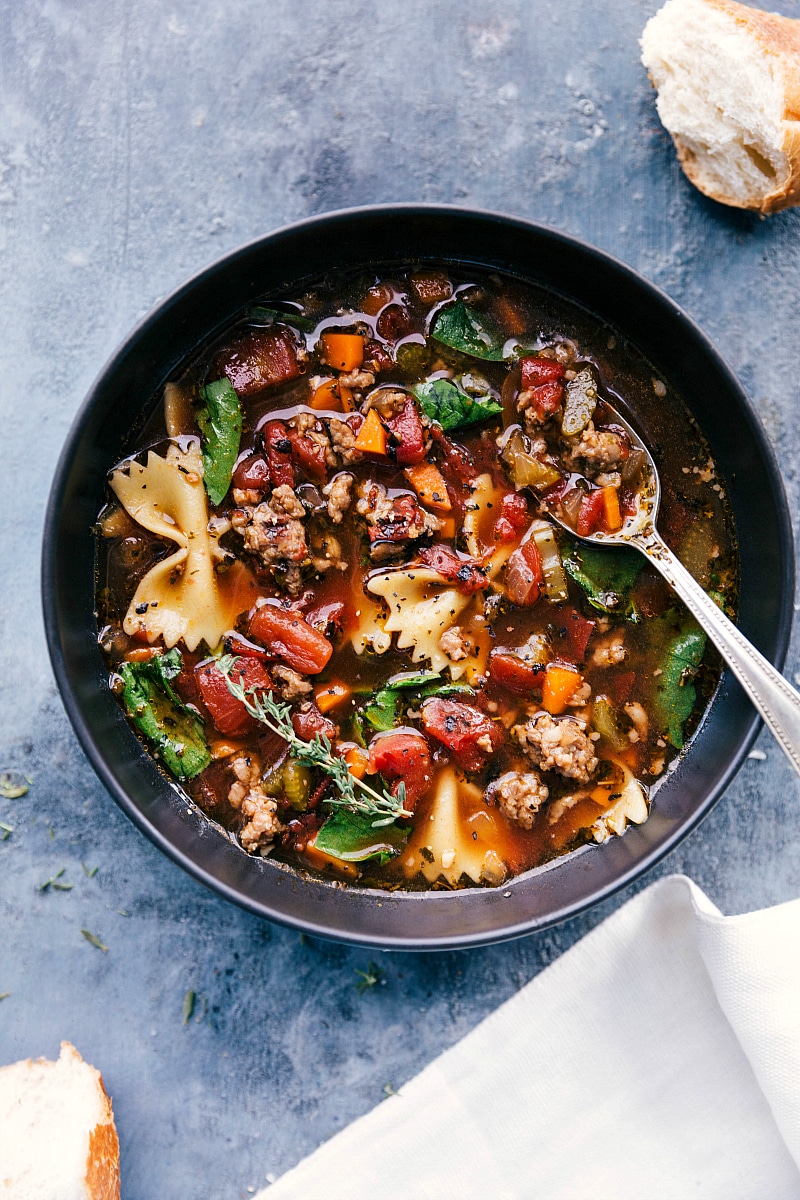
(606, 575)
(275, 316)
(674, 693)
(381, 712)
(351, 837)
(175, 730)
(413, 679)
(473, 333)
(220, 422)
(444, 402)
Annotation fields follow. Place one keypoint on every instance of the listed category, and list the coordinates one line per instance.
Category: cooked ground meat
(393, 520)
(247, 795)
(597, 448)
(290, 684)
(386, 401)
(311, 427)
(325, 551)
(340, 496)
(639, 720)
(558, 745)
(357, 379)
(556, 810)
(454, 644)
(609, 650)
(519, 796)
(343, 441)
(273, 531)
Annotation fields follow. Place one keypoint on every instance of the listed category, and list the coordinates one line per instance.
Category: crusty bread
(57, 1134)
(728, 80)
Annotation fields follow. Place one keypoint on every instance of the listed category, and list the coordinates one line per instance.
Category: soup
(335, 606)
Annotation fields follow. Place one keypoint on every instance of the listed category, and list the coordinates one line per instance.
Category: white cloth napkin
(658, 1057)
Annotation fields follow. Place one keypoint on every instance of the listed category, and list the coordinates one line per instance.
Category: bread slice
(57, 1135)
(728, 80)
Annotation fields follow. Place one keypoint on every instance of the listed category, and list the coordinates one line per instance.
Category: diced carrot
(427, 481)
(333, 396)
(512, 318)
(224, 747)
(142, 655)
(611, 513)
(560, 685)
(344, 351)
(320, 860)
(372, 437)
(357, 760)
(448, 529)
(332, 694)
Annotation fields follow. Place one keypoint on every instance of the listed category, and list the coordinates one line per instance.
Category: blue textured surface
(138, 141)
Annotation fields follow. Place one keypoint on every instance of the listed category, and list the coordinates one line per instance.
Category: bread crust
(102, 1160)
(780, 38)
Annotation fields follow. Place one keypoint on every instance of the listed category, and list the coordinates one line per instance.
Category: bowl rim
(81, 725)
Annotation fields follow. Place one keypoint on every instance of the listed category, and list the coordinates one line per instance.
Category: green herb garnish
(175, 730)
(94, 940)
(443, 401)
(5, 831)
(388, 1090)
(4, 995)
(471, 332)
(13, 785)
(188, 1006)
(220, 422)
(381, 807)
(89, 873)
(369, 978)
(55, 884)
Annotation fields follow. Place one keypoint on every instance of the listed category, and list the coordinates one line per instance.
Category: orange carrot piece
(333, 396)
(427, 481)
(344, 351)
(560, 685)
(448, 529)
(143, 654)
(224, 747)
(330, 695)
(357, 761)
(319, 860)
(611, 513)
(372, 437)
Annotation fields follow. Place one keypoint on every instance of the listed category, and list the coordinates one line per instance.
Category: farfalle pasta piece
(181, 598)
(458, 838)
(421, 607)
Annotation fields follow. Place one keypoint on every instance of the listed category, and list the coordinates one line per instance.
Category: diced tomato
(459, 727)
(229, 714)
(328, 618)
(590, 516)
(406, 757)
(458, 463)
(394, 322)
(242, 646)
(524, 574)
(252, 474)
(513, 517)
(376, 358)
(308, 455)
(309, 723)
(622, 684)
(514, 674)
(259, 359)
(289, 636)
(407, 428)
(465, 573)
(537, 371)
(571, 635)
(547, 399)
(278, 449)
(396, 525)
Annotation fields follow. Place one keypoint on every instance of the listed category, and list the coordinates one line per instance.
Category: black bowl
(203, 307)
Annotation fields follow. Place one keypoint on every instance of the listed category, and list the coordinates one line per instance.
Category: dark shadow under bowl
(202, 308)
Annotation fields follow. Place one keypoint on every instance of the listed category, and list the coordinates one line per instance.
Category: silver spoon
(777, 702)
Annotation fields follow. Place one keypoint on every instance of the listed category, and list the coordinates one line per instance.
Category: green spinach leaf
(262, 315)
(444, 402)
(351, 837)
(471, 332)
(174, 729)
(674, 693)
(220, 422)
(381, 712)
(606, 575)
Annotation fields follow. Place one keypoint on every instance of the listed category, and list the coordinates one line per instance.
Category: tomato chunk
(407, 428)
(590, 515)
(278, 449)
(309, 455)
(229, 714)
(465, 573)
(524, 574)
(289, 636)
(403, 756)
(468, 733)
(571, 635)
(514, 674)
(259, 359)
(252, 474)
(537, 371)
(394, 322)
(513, 517)
(308, 723)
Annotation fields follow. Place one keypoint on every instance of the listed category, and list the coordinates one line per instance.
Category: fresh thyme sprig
(381, 806)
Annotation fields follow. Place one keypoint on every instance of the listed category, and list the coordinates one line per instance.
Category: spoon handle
(777, 702)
